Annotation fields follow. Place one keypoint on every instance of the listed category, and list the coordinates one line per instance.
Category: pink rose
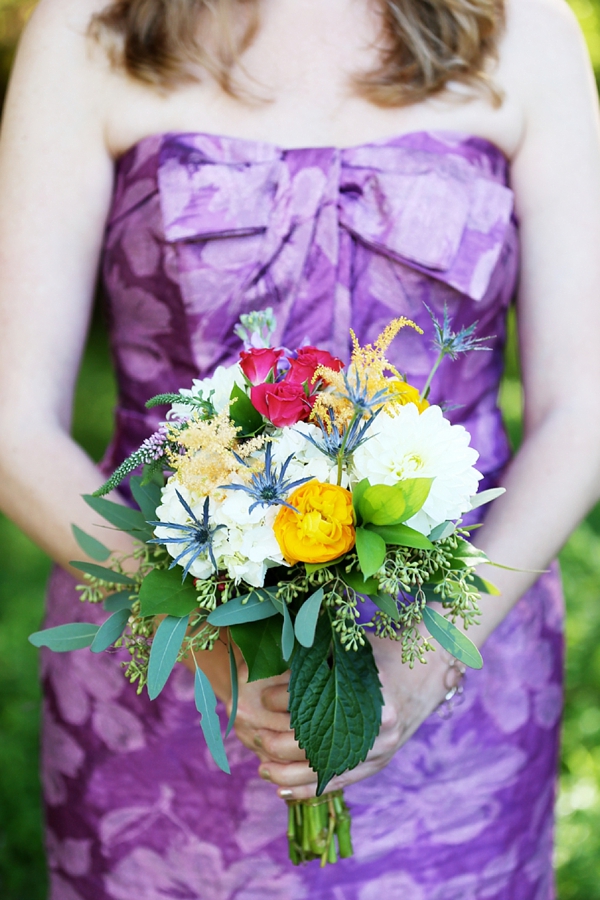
(307, 360)
(281, 403)
(258, 362)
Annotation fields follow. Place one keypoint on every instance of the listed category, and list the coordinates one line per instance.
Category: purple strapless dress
(202, 229)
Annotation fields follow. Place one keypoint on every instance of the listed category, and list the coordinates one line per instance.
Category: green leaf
(94, 549)
(402, 535)
(416, 492)
(235, 689)
(441, 531)
(466, 556)
(147, 496)
(451, 638)
(387, 604)
(250, 608)
(314, 567)
(119, 600)
(356, 581)
(357, 494)
(110, 631)
(370, 549)
(382, 504)
(287, 633)
(484, 586)
(243, 414)
(101, 573)
(335, 703)
(61, 638)
(122, 517)
(162, 591)
(206, 704)
(260, 643)
(486, 497)
(166, 645)
(306, 620)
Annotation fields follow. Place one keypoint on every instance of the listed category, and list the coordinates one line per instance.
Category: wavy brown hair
(425, 43)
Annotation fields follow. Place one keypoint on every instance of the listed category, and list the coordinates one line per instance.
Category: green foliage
(147, 495)
(118, 600)
(382, 504)
(63, 638)
(163, 592)
(165, 650)
(370, 549)
(247, 608)
(122, 517)
(108, 576)
(110, 631)
(260, 643)
(306, 620)
(206, 704)
(235, 690)
(402, 535)
(451, 638)
(94, 549)
(243, 414)
(335, 703)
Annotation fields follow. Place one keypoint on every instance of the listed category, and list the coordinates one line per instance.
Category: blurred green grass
(25, 569)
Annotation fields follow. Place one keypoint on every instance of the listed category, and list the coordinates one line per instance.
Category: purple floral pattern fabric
(202, 229)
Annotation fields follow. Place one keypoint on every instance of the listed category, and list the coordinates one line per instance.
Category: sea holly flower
(323, 526)
(258, 362)
(269, 487)
(282, 403)
(451, 343)
(343, 440)
(195, 538)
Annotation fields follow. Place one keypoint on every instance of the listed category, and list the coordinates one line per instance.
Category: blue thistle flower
(347, 440)
(358, 394)
(451, 343)
(195, 539)
(269, 487)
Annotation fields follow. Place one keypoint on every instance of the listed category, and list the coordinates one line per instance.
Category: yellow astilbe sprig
(210, 453)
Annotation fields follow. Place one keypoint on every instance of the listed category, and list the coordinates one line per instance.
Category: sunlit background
(24, 570)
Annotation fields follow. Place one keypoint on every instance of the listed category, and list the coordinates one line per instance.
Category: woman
(436, 103)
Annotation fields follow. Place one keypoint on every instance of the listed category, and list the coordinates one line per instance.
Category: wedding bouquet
(277, 496)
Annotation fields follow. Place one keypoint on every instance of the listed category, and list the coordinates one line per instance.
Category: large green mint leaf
(163, 593)
(335, 703)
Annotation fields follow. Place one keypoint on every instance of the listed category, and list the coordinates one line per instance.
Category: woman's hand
(410, 696)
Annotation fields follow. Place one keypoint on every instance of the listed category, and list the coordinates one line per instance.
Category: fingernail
(264, 774)
(257, 740)
(285, 793)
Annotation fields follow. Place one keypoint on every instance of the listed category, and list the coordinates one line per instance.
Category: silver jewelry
(453, 682)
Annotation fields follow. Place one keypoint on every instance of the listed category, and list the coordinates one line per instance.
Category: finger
(279, 746)
(276, 698)
(308, 789)
(288, 775)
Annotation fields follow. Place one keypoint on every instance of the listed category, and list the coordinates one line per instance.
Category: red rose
(258, 362)
(281, 403)
(307, 360)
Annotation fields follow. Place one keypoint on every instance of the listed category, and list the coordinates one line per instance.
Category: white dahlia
(409, 444)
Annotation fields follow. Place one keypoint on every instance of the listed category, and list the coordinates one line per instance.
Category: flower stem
(315, 825)
(434, 368)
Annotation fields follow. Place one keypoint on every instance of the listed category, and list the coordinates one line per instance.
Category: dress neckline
(452, 135)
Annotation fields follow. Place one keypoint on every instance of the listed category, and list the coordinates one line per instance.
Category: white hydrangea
(246, 547)
(221, 382)
(307, 459)
(409, 444)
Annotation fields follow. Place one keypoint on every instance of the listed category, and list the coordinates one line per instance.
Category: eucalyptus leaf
(306, 620)
(110, 631)
(484, 586)
(249, 608)
(260, 643)
(101, 573)
(166, 645)
(442, 531)
(123, 517)
(287, 633)
(243, 414)
(235, 689)
(163, 592)
(335, 703)
(94, 548)
(486, 497)
(451, 638)
(370, 549)
(62, 638)
(402, 535)
(147, 495)
(206, 704)
(119, 600)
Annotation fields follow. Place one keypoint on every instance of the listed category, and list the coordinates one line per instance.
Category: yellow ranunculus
(402, 392)
(323, 527)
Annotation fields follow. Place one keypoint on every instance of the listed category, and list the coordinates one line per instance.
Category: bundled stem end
(312, 826)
